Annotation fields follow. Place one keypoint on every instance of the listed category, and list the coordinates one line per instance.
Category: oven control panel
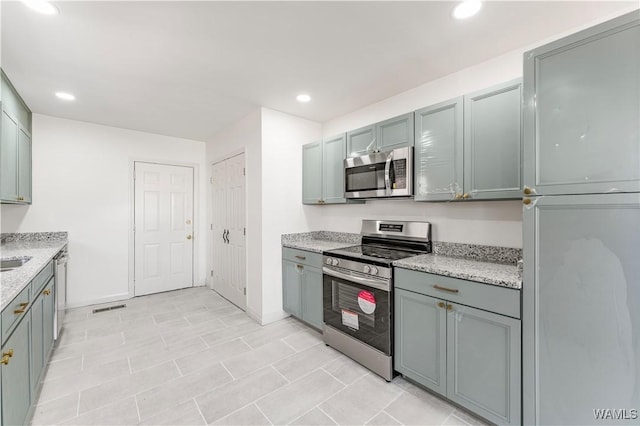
(353, 265)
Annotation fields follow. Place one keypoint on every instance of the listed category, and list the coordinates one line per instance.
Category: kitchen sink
(11, 263)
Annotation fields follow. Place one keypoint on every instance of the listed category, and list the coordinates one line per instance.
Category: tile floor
(189, 357)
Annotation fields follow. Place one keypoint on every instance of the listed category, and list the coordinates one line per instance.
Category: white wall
(244, 136)
(282, 135)
(82, 184)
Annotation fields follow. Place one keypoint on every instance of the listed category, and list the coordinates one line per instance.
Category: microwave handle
(387, 170)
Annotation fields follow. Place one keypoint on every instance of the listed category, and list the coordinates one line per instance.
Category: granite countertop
(42, 247)
(500, 274)
(320, 241)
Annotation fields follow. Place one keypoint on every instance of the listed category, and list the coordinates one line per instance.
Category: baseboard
(107, 299)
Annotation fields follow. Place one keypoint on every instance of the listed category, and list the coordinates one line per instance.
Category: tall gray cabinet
(581, 283)
(323, 172)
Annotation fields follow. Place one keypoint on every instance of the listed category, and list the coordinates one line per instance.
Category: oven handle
(383, 285)
(387, 170)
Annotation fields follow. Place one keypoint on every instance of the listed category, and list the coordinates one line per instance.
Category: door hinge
(244, 171)
(212, 272)
(212, 226)
(244, 231)
(245, 291)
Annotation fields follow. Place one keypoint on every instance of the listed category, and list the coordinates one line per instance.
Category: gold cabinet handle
(19, 311)
(301, 257)
(526, 201)
(299, 266)
(24, 304)
(46, 292)
(458, 196)
(466, 195)
(189, 237)
(527, 190)
(9, 353)
(441, 304)
(450, 290)
(449, 307)
(5, 360)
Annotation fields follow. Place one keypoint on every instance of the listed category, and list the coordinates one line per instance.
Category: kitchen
(65, 149)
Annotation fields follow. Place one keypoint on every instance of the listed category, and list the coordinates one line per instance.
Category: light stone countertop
(42, 251)
(320, 241)
(500, 274)
(316, 246)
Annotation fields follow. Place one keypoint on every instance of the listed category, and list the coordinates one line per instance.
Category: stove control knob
(374, 270)
(328, 261)
(366, 269)
(335, 262)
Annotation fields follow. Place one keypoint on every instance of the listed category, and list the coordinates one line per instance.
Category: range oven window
(371, 176)
(360, 311)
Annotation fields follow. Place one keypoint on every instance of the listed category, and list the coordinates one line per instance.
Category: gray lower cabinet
(396, 132)
(15, 146)
(302, 285)
(582, 109)
(16, 384)
(469, 355)
(323, 171)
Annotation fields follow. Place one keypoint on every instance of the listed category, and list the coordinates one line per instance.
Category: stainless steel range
(358, 291)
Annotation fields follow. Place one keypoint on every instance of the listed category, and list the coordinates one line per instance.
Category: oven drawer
(501, 300)
(302, 257)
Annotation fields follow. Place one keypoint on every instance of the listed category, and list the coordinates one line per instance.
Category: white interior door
(163, 228)
(229, 255)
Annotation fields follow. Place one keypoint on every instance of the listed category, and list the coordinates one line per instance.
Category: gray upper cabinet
(361, 141)
(312, 173)
(15, 147)
(492, 142)
(438, 154)
(582, 111)
(396, 132)
(333, 154)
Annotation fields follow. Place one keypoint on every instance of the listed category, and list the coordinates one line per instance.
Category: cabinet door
(48, 313)
(394, 133)
(16, 389)
(312, 173)
(582, 109)
(24, 165)
(438, 151)
(334, 151)
(581, 307)
(361, 141)
(291, 287)
(37, 341)
(493, 142)
(312, 296)
(420, 339)
(9, 158)
(483, 363)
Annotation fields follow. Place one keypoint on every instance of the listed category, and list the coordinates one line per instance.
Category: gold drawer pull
(299, 266)
(18, 311)
(9, 353)
(24, 304)
(301, 257)
(450, 290)
(449, 307)
(5, 360)
(441, 304)
(46, 292)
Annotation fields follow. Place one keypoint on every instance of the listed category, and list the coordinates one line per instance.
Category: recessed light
(41, 6)
(303, 98)
(65, 96)
(467, 9)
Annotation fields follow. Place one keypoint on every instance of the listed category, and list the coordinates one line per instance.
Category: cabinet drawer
(302, 256)
(9, 316)
(41, 279)
(501, 300)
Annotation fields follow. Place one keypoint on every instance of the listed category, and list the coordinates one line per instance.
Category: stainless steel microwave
(380, 174)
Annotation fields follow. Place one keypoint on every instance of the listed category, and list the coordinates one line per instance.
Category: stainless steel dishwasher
(60, 277)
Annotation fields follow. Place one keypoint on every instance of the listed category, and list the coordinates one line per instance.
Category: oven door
(358, 306)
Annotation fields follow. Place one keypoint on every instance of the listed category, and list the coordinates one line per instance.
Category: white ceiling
(188, 69)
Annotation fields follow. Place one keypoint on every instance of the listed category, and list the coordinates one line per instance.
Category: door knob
(189, 237)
